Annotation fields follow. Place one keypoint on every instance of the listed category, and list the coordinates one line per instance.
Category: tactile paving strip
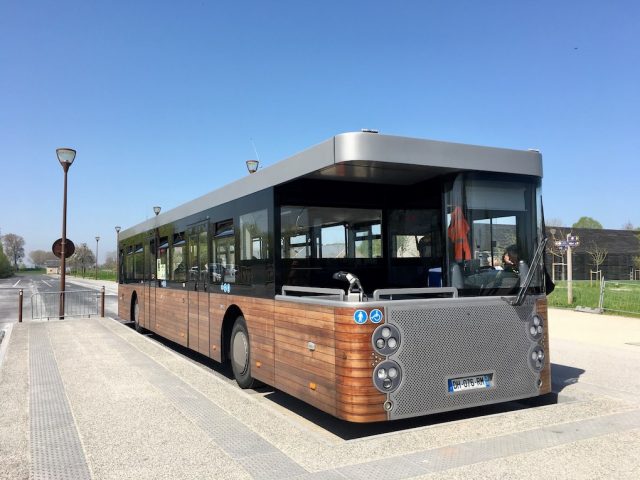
(56, 449)
(261, 459)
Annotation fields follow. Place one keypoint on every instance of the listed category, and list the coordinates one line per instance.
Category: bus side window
(224, 256)
(254, 236)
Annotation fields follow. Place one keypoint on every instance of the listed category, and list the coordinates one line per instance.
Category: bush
(6, 270)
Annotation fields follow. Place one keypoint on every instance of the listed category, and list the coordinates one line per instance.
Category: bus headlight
(536, 358)
(536, 326)
(386, 339)
(387, 376)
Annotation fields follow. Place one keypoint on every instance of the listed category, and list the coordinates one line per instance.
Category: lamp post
(97, 240)
(66, 156)
(117, 253)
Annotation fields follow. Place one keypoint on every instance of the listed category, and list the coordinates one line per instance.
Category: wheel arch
(233, 312)
(132, 303)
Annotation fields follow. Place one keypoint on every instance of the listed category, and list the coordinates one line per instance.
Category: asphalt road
(32, 285)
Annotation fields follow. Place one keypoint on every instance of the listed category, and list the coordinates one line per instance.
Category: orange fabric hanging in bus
(458, 233)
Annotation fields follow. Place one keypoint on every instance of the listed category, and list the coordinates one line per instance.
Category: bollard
(20, 296)
(102, 302)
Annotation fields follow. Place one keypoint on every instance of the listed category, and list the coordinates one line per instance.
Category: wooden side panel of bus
(203, 323)
(172, 314)
(258, 313)
(357, 398)
(193, 301)
(304, 372)
(124, 301)
(217, 308)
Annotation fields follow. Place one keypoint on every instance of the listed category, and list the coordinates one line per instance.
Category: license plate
(473, 382)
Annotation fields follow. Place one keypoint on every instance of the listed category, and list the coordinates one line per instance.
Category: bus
(375, 277)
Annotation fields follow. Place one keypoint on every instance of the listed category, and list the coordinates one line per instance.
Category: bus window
(485, 218)
(162, 260)
(178, 261)
(414, 233)
(324, 232)
(224, 256)
(254, 236)
(128, 264)
(138, 263)
(492, 236)
(367, 241)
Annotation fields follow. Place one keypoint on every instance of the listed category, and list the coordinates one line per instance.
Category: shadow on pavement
(563, 376)
(348, 430)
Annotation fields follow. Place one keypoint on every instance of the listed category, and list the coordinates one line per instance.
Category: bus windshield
(492, 230)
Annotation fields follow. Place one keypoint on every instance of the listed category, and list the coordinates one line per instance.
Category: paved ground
(91, 398)
(35, 284)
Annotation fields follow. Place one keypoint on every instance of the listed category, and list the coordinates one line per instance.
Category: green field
(102, 274)
(620, 296)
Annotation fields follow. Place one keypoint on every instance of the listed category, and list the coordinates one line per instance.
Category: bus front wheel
(240, 353)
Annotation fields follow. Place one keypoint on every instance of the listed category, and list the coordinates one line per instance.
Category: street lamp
(117, 253)
(97, 240)
(252, 165)
(66, 156)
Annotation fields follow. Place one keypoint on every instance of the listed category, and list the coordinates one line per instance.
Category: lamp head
(66, 156)
(252, 166)
(156, 210)
(117, 228)
(97, 239)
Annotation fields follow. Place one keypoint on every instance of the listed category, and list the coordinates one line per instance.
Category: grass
(620, 296)
(31, 271)
(91, 274)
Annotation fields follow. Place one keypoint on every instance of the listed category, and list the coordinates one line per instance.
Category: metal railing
(77, 303)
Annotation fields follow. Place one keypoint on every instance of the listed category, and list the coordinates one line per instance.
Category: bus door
(198, 286)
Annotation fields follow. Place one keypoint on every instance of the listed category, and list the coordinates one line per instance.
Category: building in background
(621, 248)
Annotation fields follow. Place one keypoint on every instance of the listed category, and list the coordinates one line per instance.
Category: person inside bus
(511, 260)
(424, 246)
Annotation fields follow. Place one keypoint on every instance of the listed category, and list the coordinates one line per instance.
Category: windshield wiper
(535, 264)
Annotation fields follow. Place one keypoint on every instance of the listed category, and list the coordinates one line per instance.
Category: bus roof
(362, 157)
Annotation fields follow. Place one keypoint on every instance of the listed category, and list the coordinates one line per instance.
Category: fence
(621, 296)
(611, 296)
(78, 303)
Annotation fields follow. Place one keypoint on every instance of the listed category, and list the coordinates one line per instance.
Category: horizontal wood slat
(334, 376)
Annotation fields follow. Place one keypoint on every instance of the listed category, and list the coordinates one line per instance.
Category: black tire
(135, 314)
(240, 353)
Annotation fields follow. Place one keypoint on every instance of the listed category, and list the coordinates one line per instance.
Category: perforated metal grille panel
(449, 341)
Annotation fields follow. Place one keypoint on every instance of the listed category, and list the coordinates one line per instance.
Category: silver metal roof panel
(361, 157)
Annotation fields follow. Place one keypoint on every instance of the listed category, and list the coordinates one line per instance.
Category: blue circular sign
(376, 315)
(360, 317)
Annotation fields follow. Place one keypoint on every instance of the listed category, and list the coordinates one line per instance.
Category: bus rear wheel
(240, 353)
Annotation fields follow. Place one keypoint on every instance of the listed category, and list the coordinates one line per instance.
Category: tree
(39, 257)
(14, 247)
(553, 222)
(597, 254)
(110, 261)
(82, 259)
(5, 266)
(587, 222)
(557, 253)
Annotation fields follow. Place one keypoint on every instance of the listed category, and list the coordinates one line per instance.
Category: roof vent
(369, 130)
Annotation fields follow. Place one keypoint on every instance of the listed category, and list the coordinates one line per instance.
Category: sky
(165, 100)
